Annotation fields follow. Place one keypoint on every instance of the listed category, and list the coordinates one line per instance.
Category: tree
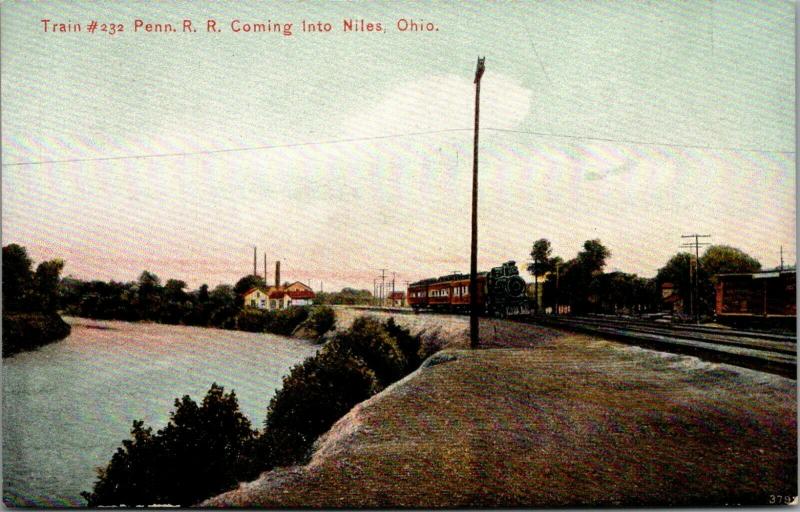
(724, 259)
(594, 255)
(203, 451)
(244, 284)
(177, 303)
(717, 259)
(45, 284)
(677, 272)
(149, 296)
(17, 277)
(540, 264)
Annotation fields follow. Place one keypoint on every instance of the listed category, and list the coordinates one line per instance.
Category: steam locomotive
(501, 291)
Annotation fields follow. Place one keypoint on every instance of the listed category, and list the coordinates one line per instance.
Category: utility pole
(473, 256)
(392, 286)
(781, 257)
(265, 269)
(383, 283)
(695, 311)
(255, 258)
(557, 292)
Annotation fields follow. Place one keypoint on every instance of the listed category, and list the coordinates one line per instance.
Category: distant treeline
(146, 299)
(347, 296)
(581, 285)
(30, 302)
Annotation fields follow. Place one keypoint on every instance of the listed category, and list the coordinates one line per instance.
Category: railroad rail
(773, 353)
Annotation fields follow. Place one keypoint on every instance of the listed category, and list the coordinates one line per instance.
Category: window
(253, 302)
(263, 303)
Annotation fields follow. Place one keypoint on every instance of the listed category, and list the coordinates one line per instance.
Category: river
(68, 405)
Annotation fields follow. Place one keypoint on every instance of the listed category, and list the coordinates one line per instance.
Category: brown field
(546, 419)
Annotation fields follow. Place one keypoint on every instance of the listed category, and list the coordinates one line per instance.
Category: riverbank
(29, 331)
(547, 419)
(89, 388)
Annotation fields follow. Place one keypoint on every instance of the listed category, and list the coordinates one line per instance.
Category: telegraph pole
(255, 263)
(383, 283)
(473, 257)
(781, 257)
(696, 244)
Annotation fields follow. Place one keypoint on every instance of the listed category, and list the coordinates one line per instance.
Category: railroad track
(769, 352)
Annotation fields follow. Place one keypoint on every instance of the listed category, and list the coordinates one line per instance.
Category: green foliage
(252, 320)
(408, 344)
(540, 258)
(347, 296)
(281, 321)
(17, 278)
(314, 396)
(284, 321)
(200, 453)
(724, 259)
(349, 369)
(717, 259)
(30, 301)
(246, 283)
(322, 319)
(369, 340)
(27, 331)
(45, 284)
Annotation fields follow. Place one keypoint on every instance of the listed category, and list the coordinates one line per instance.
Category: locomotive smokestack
(278, 273)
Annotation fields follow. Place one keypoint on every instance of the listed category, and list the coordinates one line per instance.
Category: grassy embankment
(550, 420)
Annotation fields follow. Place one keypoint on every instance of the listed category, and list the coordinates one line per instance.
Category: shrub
(27, 331)
(284, 321)
(430, 343)
(200, 453)
(409, 344)
(322, 319)
(314, 396)
(252, 320)
(368, 340)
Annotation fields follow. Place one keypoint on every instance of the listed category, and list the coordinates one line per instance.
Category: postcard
(395, 254)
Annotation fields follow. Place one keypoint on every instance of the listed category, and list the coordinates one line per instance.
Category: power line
(396, 136)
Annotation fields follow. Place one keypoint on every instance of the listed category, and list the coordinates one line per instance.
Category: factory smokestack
(277, 273)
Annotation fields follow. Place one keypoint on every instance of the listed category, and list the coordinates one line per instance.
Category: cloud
(441, 102)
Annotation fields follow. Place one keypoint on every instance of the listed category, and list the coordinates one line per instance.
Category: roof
(449, 277)
(254, 289)
(277, 294)
(396, 295)
(667, 285)
(301, 294)
(759, 274)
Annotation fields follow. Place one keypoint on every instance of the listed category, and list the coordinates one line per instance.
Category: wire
(395, 136)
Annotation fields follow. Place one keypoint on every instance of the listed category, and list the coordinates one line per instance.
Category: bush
(28, 331)
(322, 319)
(281, 321)
(314, 396)
(252, 320)
(409, 345)
(429, 343)
(200, 453)
(284, 321)
(369, 340)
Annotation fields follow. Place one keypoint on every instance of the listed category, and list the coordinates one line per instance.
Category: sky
(345, 153)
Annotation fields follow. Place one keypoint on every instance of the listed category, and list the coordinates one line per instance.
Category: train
(501, 291)
(757, 298)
